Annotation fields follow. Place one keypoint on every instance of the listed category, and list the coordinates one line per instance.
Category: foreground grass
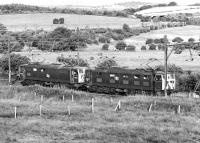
(133, 123)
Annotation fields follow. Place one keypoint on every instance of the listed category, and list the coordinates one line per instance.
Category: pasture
(19, 22)
(132, 123)
(135, 59)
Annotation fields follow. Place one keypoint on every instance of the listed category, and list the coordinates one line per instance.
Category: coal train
(115, 80)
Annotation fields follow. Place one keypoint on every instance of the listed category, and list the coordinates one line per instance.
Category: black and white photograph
(99, 71)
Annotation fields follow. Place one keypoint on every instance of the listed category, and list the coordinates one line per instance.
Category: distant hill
(118, 6)
(21, 8)
(158, 11)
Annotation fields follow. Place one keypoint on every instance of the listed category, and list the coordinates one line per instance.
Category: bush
(107, 63)
(73, 61)
(177, 40)
(152, 47)
(149, 41)
(105, 47)
(130, 48)
(126, 28)
(121, 45)
(104, 40)
(161, 47)
(143, 48)
(157, 41)
(16, 61)
(191, 40)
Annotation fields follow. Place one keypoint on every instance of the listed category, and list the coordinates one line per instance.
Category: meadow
(134, 122)
(18, 22)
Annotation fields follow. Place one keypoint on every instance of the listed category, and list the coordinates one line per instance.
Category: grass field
(17, 22)
(133, 123)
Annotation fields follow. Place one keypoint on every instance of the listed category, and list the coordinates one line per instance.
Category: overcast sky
(90, 2)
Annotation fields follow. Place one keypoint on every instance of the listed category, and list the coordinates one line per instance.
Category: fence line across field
(50, 27)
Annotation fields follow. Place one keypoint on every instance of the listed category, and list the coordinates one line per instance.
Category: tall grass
(133, 123)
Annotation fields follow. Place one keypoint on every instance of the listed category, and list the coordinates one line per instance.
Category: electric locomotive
(128, 81)
(115, 80)
(52, 75)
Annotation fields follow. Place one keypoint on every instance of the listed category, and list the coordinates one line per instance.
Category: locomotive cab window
(158, 78)
(35, 69)
(99, 74)
(137, 76)
(125, 79)
(146, 77)
(42, 70)
(99, 77)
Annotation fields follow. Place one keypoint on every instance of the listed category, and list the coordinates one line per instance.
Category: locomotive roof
(124, 70)
(52, 66)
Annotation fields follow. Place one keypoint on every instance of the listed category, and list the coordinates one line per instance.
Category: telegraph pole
(9, 62)
(78, 56)
(165, 61)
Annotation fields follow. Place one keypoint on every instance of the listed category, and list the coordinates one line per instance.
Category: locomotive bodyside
(51, 75)
(120, 80)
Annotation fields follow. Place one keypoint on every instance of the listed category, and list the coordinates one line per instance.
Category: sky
(89, 2)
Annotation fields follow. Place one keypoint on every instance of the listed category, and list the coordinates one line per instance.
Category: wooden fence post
(92, 105)
(118, 107)
(150, 107)
(68, 108)
(179, 109)
(15, 112)
(72, 98)
(111, 100)
(42, 98)
(40, 110)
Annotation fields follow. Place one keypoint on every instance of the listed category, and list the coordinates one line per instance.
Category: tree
(3, 29)
(73, 61)
(152, 47)
(55, 21)
(60, 32)
(191, 40)
(177, 40)
(130, 48)
(149, 41)
(107, 63)
(16, 61)
(126, 28)
(143, 48)
(121, 45)
(172, 4)
(105, 47)
(61, 20)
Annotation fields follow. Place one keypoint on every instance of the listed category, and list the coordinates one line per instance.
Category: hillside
(157, 11)
(118, 6)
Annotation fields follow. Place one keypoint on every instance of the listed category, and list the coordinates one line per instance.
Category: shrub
(157, 41)
(101, 30)
(126, 28)
(191, 40)
(55, 21)
(130, 48)
(104, 40)
(149, 41)
(121, 45)
(152, 47)
(107, 63)
(105, 47)
(73, 61)
(96, 42)
(161, 47)
(16, 61)
(177, 40)
(143, 48)
(3, 29)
